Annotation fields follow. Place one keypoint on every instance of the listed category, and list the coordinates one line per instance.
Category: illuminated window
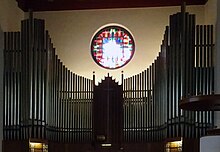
(112, 47)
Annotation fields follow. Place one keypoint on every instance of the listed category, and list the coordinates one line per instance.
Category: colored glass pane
(112, 47)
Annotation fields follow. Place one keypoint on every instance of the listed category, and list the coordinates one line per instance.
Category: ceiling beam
(58, 5)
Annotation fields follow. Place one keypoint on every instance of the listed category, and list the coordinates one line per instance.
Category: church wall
(72, 31)
(10, 15)
(211, 12)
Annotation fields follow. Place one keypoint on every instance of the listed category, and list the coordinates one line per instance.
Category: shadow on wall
(1, 85)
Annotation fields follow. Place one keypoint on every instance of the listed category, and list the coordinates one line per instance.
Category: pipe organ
(44, 100)
(183, 68)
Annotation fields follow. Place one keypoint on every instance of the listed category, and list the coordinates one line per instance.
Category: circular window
(112, 47)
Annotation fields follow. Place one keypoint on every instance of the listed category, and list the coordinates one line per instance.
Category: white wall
(10, 15)
(211, 12)
(72, 31)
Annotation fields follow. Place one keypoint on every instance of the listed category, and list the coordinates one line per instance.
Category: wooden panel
(191, 145)
(18, 146)
(107, 111)
(55, 5)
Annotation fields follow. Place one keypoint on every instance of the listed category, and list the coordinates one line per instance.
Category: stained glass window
(112, 47)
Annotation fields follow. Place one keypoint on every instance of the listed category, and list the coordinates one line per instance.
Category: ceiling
(58, 5)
